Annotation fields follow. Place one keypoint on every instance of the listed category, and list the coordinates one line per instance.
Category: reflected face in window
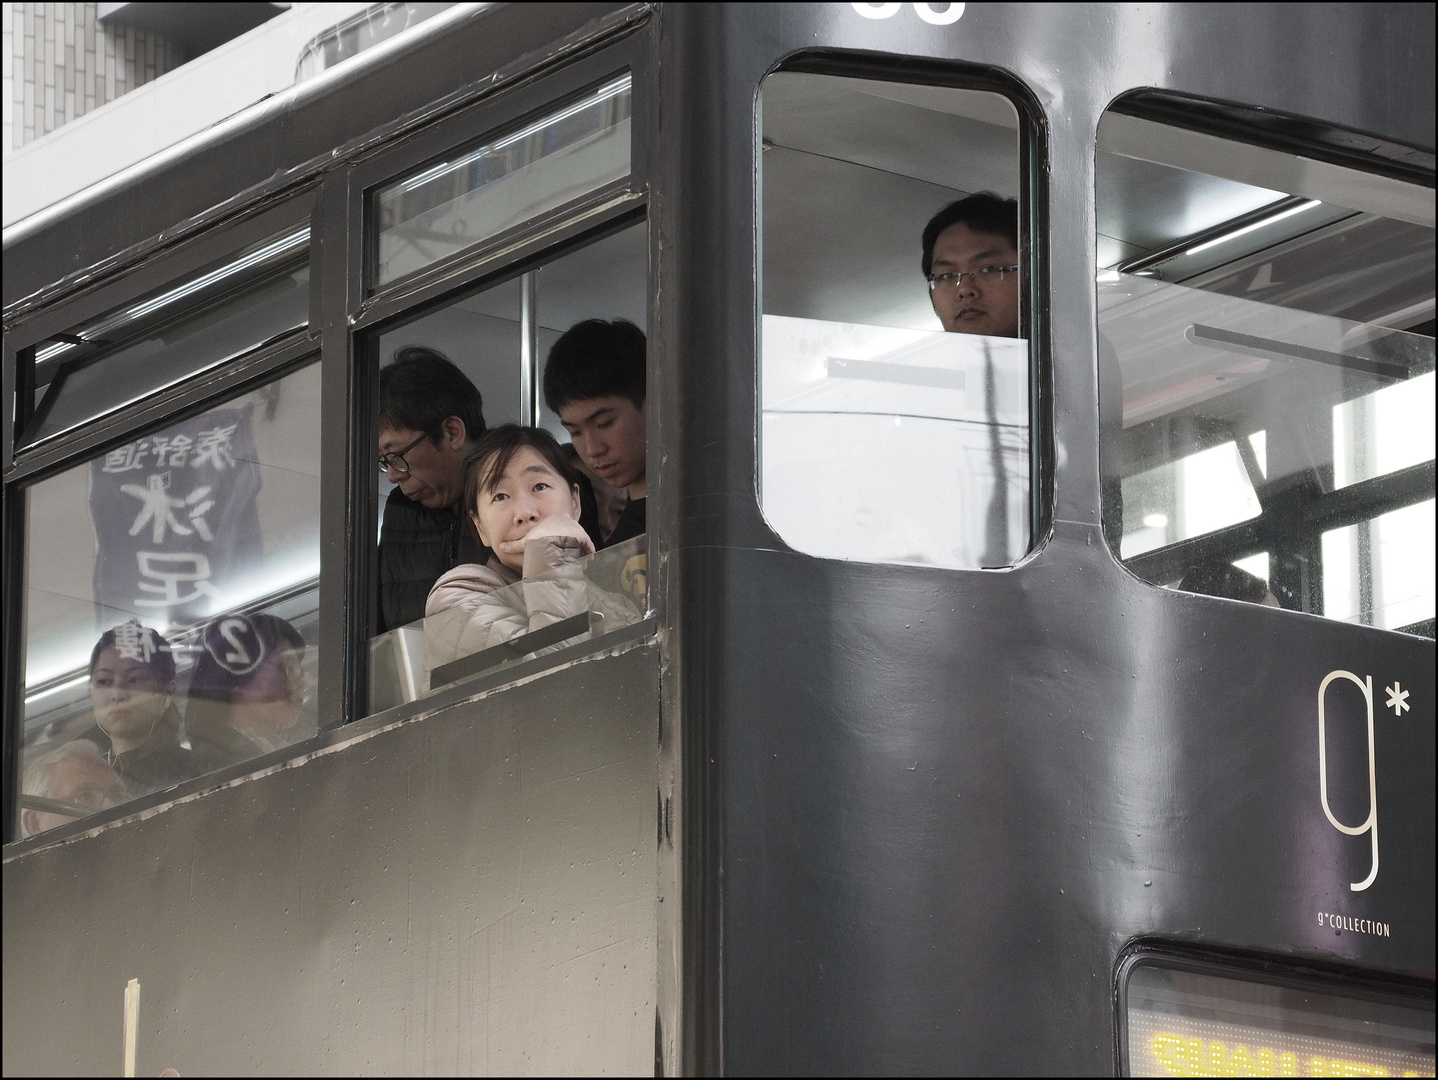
(981, 303)
(128, 699)
(435, 478)
(609, 434)
(529, 492)
(269, 701)
(84, 782)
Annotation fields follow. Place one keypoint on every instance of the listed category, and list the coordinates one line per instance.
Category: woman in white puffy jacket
(522, 494)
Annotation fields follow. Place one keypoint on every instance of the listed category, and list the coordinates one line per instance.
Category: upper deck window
(1266, 343)
(462, 589)
(517, 175)
(895, 409)
(219, 314)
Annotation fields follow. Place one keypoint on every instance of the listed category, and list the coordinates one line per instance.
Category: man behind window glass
(971, 256)
(430, 417)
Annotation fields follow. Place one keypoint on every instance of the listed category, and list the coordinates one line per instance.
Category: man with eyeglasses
(971, 257)
(430, 417)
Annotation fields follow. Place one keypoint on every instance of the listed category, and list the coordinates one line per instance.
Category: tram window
(516, 175)
(1267, 363)
(171, 599)
(1188, 1023)
(219, 314)
(498, 340)
(895, 410)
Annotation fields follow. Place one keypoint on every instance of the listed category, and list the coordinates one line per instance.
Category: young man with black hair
(594, 381)
(430, 417)
(971, 260)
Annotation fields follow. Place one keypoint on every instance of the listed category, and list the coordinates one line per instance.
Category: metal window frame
(153, 412)
(1033, 198)
(370, 311)
(344, 320)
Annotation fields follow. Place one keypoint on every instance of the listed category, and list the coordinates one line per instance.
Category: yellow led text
(1203, 1057)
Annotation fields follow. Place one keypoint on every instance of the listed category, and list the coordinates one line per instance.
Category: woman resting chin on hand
(523, 497)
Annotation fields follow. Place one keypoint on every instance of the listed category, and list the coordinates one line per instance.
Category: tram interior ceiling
(1267, 359)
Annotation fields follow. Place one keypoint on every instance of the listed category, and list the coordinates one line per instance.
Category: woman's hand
(554, 525)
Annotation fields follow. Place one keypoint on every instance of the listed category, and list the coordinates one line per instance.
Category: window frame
(1034, 150)
(345, 318)
(1364, 500)
(373, 310)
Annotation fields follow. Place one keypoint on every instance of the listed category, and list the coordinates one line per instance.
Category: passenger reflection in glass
(1229, 581)
(524, 495)
(132, 694)
(430, 418)
(971, 255)
(69, 782)
(594, 381)
(247, 691)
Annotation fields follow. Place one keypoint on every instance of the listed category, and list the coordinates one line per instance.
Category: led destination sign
(1182, 1023)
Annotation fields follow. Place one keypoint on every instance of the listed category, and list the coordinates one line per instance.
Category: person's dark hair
(486, 464)
(138, 642)
(422, 388)
(984, 213)
(594, 359)
(1224, 579)
(233, 649)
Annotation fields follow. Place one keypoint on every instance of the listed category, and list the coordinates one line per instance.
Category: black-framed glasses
(952, 279)
(395, 460)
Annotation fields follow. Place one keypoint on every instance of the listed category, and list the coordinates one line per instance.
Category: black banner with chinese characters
(176, 526)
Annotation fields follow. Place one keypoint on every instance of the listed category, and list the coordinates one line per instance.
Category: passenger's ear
(480, 530)
(576, 506)
(455, 433)
(29, 822)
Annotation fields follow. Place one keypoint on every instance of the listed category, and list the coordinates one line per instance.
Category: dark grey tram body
(909, 818)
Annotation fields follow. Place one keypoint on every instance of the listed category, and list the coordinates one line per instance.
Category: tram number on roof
(933, 14)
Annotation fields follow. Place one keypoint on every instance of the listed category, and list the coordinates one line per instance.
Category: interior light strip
(1261, 223)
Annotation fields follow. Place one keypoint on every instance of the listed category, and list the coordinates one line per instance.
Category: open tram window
(895, 410)
(476, 375)
(171, 604)
(1267, 363)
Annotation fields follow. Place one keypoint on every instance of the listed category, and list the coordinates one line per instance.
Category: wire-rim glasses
(953, 279)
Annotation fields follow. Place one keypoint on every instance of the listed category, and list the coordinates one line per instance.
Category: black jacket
(416, 546)
(631, 523)
(162, 762)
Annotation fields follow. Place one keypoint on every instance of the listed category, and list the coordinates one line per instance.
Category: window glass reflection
(171, 601)
(446, 207)
(1266, 377)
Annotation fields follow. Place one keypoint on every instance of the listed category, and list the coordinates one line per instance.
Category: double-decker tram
(1027, 667)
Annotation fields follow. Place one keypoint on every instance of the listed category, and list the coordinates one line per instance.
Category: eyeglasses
(396, 459)
(983, 275)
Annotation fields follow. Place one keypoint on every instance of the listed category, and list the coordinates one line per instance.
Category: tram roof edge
(85, 235)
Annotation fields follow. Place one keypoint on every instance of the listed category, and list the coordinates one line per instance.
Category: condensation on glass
(171, 604)
(536, 615)
(537, 168)
(220, 314)
(499, 338)
(883, 437)
(1267, 363)
(1187, 1023)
